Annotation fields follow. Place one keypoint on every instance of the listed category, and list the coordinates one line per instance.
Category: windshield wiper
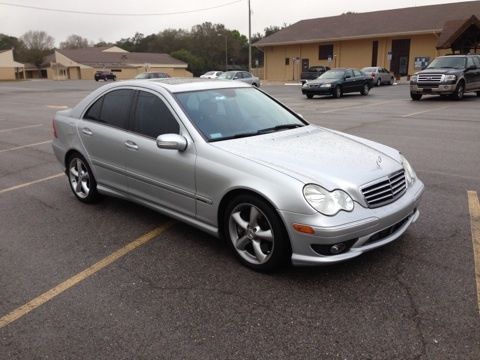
(236, 136)
(278, 128)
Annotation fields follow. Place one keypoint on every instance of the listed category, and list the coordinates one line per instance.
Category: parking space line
(25, 146)
(424, 111)
(357, 105)
(16, 187)
(474, 209)
(83, 275)
(20, 128)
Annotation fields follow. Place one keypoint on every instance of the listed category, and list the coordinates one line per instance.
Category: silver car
(379, 75)
(229, 159)
(243, 76)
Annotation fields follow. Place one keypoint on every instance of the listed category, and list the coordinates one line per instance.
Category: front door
(400, 56)
(161, 177)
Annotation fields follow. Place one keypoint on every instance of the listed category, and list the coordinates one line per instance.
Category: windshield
(448, 63)
(141, 76)
(227, 75)
(222, 114)
(332, 74)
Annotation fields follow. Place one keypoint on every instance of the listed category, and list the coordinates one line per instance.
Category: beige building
(401, 40)
(10, 69)
(83, 63)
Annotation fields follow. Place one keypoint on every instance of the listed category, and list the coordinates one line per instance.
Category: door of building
(374, 53)
(305, 64)
(400, 56)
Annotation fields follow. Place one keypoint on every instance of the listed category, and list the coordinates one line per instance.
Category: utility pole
(249, 37)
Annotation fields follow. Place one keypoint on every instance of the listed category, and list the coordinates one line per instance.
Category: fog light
(337, 248)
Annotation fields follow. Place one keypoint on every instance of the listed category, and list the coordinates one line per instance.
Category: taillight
(54, 129)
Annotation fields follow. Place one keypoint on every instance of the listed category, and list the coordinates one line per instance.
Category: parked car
(211, 75)
(105, 75)
(452, 75)
(152, 75)
(337, 82)
(229, 159)
(312, 73)
(380, 76)
(244, 76)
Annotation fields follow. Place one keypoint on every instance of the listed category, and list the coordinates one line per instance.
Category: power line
(117, 14)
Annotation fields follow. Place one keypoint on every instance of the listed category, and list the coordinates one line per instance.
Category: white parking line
(30, 183)
(25, 146)
(20, 128)
(357, 105)
(424, 111)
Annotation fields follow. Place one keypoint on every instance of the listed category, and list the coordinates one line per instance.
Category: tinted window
(470, 62)
(246, 75)
(116, 108)
(349, 73)
(152, 117)
(94, 112)
(357, 73)
(476, 60)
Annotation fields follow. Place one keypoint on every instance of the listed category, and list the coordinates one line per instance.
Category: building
(402, 40)
(10, 69)
(82, 64)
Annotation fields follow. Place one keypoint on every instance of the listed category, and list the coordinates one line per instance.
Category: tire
(415, 97)
(392, 81)
(365, 89)
(478, 93)
(81, 179)
(96, 80)
(309, 96)
(459, 91)
(337, 92)
(255, 84)
(379, 82)
(245, 217)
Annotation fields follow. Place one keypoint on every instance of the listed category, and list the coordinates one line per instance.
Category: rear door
(470, 75)
(349, 82)
(159, 176)
(103, 131)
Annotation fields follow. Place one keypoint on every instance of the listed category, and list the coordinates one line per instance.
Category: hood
(312, 154)
(440, 71)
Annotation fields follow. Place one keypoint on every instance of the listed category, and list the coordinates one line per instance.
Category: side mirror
(235, 78)
(172, 142)
(347, 77)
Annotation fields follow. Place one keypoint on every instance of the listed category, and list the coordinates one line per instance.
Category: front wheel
(309, 96)
(415, 97)
(365, 89)
(337, 92)
(379, 82)
(81, 179)
(459, 91)
(392, 81)
(256, 233)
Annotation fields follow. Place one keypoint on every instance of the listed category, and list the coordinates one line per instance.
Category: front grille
(386, 190)
(429, 78)
(386, 232)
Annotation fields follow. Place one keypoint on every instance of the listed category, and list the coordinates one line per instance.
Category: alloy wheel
(79, 178)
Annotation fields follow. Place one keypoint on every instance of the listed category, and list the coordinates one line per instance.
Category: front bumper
(437, 89)
(364, 229)
(317, 90)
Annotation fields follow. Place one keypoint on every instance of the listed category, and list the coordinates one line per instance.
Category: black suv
(105, 75)
(451, 75)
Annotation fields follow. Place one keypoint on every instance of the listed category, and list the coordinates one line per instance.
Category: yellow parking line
(25, 146)
(474, 208)
(30, 183)
(74, 280)
(20, 128)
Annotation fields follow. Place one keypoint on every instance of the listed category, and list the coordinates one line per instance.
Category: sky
(15, 21)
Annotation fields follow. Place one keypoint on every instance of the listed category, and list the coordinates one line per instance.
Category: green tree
(196, 64)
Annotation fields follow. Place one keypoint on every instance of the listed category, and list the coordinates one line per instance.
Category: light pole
(226, 50)
(249, 38)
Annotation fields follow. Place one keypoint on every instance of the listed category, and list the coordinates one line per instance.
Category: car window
(470, 62)
(349, 73)
(152, 117)
(476, 60)
(246, 75)
(112, 108)
(357, 73)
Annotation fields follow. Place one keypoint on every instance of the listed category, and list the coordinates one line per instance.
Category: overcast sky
(15, 21)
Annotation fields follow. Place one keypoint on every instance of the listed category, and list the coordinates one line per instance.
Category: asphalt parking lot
(182, 295)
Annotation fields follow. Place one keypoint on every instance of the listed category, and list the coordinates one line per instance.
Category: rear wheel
(415, 97)
(365, 89)
(392, 80)
(256, 233)
(337, 92)
(459, 91)
(81, 179)
(478, 93)
(379, 82)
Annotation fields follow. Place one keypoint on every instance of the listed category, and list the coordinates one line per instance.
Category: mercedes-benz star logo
(379, 162)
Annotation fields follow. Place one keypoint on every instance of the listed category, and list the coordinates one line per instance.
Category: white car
(211, 74)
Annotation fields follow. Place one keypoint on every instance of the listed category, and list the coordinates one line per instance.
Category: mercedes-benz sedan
(233, 161)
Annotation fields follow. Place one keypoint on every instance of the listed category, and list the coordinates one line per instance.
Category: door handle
(131, 145)
(87, 131)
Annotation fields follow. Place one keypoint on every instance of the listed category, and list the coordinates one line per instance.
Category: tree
(75, 42)
(10, 42)
(196, 64)
(38, 44)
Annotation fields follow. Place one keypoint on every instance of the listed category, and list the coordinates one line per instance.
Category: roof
(101, 56)
(412, 20)
(453, 29)
(177, 85)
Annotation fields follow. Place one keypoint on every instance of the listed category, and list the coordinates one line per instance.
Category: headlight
(413, 78)
(326, 202)
(450, 78)
(410, 174)
(326, 85)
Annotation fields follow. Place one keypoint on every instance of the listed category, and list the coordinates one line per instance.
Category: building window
(325, 52)
(287, 61)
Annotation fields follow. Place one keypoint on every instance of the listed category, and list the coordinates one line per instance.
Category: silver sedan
(243, 76)
(379, 75)
(227, 158)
